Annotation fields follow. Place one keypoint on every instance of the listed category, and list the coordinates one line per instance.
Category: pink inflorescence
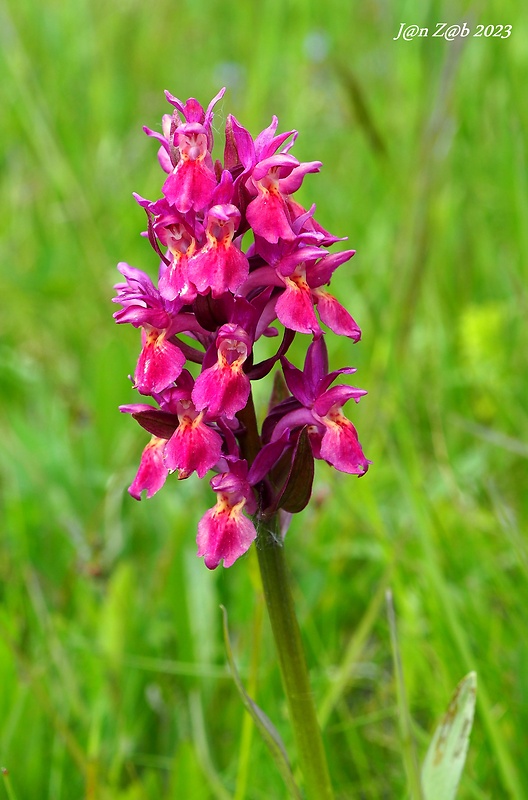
(223, 298)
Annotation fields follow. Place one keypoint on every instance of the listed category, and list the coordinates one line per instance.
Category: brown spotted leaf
(446, 755)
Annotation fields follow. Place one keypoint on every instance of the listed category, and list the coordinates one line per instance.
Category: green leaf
(446, 756)
(264, 725)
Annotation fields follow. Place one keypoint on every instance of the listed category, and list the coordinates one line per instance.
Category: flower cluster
(213, 300)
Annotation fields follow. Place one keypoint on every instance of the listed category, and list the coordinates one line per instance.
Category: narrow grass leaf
(7, 784)
(266, 728)
(407, 741)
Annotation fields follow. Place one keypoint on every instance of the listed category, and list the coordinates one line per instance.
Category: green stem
(281, 610)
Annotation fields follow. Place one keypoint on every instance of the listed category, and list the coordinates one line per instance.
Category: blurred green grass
(112, 669)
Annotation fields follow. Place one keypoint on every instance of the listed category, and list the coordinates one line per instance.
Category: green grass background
(113, 679)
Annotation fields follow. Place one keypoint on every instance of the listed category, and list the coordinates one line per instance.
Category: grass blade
(266, 728)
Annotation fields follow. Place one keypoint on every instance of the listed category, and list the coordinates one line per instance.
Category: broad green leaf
(264, 725)
(446, 756)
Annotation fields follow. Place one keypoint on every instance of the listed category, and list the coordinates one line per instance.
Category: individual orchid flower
(141, 301)
(223, 388)
(295, 306)
(300, 274)
(175, 232)
(192, 182)
(242, 153)
(224, 532)
(274, 179)
(219, 266)
(190, 443)
(194, 446)
(160, 361)
(192, 112)
(190, 141)
(332, 436)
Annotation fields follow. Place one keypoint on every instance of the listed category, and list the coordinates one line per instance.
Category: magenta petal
(239, 147)
(174, 281)
(340, 445)
(266, 458)
(223, 193)
(152, 471)
(336, 317)
(159, 364)
(283, 161)
(286, 265)
(337, 396)
(191, 185)
(164, 160)
(262, 276)
(193, 446)
(268, 216)
(316, 365)
(235, 268)
(321, 273)
(224, 533)
(218, 268)
(222, 390)
(294, 308)
(296, 381)
(264, 143)
(293, 419)
(290, 184)
(138, 316)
